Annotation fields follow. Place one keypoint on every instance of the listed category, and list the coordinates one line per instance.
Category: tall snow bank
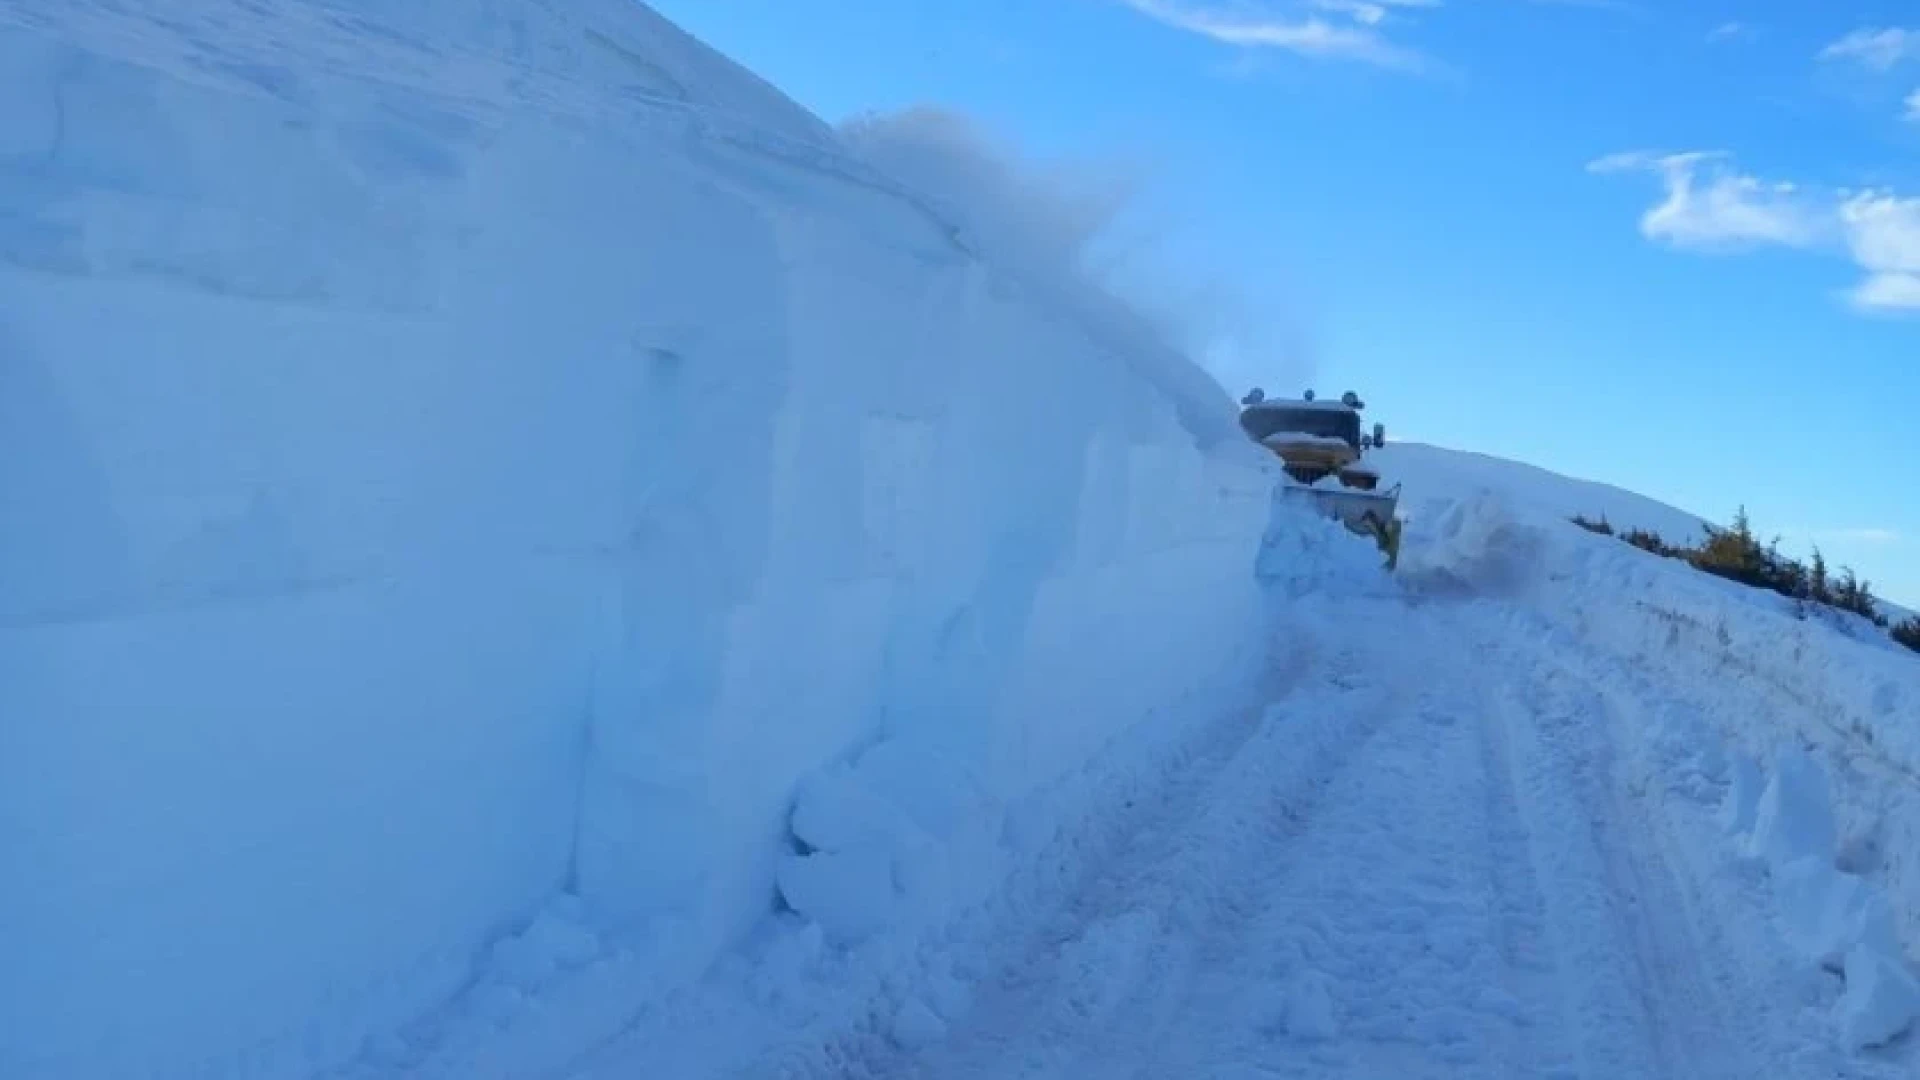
(469, 454)
(908, 832)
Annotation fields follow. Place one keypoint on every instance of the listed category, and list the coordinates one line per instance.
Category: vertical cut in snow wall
(463, 454)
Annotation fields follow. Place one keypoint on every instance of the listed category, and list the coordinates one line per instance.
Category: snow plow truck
(1322, 449)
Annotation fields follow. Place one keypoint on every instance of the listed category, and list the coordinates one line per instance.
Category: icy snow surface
(535, 558)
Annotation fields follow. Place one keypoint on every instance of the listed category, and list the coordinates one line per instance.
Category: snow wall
(453, 462)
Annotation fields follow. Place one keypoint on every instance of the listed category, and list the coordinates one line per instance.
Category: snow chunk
(849, 893)
(833, 811)
(790, 961)
(890, 836)
(1303, 551)
(1828, 912)
(1881, 1001)
(1794, 817)
(1477, 544)
(553, 943)
(934, 788)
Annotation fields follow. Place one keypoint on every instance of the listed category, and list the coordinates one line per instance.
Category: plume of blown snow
(1062, 233)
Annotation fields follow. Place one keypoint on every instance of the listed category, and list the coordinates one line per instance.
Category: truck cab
(1314, 439)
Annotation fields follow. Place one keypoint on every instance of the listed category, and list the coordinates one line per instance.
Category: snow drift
(471, 462)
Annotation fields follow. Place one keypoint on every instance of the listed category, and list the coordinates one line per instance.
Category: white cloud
(1369, 12)
(1709, 207)
(1883, 235)
(1913, 106)
(1628, 161)
(1619, 6)
(1354, 30)
(1888, 292)
(1883, 231)
(1349, 30)
(1876, 49)
(1731, 31)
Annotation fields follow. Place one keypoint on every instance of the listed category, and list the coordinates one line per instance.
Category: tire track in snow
(1529, 965)
(1089, 991)
(1351, 896)
(1417, 906)
(1457, 888)
(711, 1032)
(1426, 861)
(1751, 1006)
(1635, 997)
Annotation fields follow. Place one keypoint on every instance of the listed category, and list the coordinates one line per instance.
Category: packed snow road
(1339, 896)
(1423, 860)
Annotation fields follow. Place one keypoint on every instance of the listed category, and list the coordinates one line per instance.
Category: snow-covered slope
(1819, 706)
(474, 460)
(1435, 476)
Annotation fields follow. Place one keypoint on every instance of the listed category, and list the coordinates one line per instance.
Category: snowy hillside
(528, 555)
(1435, 476)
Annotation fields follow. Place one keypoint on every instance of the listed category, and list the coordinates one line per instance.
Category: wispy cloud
(1731, 31)
(1598, 5)
(1913, 107)
(1878, 49)
(1354, 30)
(1887, 292)
(1368, 12)
(1332, 29)
(1708, 206)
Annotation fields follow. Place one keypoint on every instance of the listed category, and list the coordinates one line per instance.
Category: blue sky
(1674, 247)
